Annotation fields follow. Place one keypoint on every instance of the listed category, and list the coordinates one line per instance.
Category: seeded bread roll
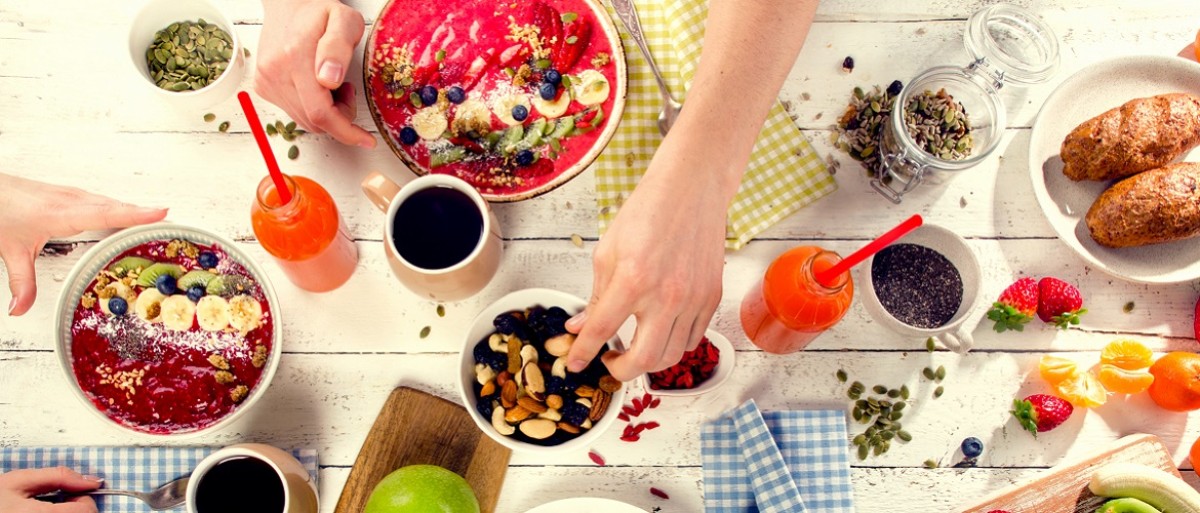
(1138, 136)
(1160, 205)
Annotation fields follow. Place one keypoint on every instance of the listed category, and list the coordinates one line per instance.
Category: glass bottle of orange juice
(305, 235)
(789, 307)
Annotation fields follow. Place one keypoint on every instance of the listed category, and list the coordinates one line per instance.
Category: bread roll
(1160, 205)
(1140, 135)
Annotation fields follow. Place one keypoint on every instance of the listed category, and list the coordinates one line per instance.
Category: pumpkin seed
(862, 452)
(904, 392)
(841, 375)
(293, 153)
(860, 439)
(941, 372)
(893, 393)
(928, 373)
(899, 407)
(424, 331)
(879, 389)
(271, 130)
(852, 394)
(930, 345)
(896, 416)
(1128, 307)
(224, 126)
(441, 310)
(904, 435)
(938, 392)
(201, 52)
(888, 435)
(857, 386)
(931, 464)
(210, 117)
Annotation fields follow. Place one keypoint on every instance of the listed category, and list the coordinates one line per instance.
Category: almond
(516, 414)
(610, 384)
(599, 405)
(508, 394)
(538, 429)
(531, 404)
(489, 388)
(568, 428)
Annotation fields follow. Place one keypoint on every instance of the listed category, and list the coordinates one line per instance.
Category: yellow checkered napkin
(785, 173)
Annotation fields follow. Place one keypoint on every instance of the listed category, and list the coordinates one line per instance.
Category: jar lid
(1012, 44)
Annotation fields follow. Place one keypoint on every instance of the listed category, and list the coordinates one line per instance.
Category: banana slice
(212, 312)
(117, 289)
(430, 123)
(553, 109)
(503, 107)
(148, 305)
(245, 313)
(178, 312)
(590, 87)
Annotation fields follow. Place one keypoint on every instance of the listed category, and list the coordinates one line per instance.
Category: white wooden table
(72, 114)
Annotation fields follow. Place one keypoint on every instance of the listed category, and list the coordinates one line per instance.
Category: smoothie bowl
(168, 330)
(516, 98)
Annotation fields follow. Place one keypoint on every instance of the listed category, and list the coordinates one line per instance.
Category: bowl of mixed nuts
(187, 51)
(514, 378)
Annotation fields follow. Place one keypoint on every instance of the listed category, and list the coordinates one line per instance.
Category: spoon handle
(629, 16)
(60, 496)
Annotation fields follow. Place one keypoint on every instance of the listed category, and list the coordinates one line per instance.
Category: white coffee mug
(956, 334)
(299, 490)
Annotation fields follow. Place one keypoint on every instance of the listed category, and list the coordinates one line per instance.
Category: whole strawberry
(1059, 303)
(1016, 306)
(1039, 413)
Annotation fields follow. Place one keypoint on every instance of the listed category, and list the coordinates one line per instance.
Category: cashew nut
(559, 369)
(528, 354)
(498, 423)
(483, 373)
(497, 343)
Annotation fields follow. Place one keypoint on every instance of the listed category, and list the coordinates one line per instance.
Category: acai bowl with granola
(168, 330)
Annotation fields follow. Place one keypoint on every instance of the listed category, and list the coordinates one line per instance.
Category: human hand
(303, 56)
(31, 213)
(660, 261)
(17, 489)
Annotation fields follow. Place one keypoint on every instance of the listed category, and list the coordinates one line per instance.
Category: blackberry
(574, 414)
(484, 354)
(484, 407)
(558, 386)
(508, 323)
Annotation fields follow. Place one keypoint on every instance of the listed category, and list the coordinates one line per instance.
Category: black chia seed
(917, 285)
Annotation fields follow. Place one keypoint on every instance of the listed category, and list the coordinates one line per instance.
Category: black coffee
(917, 285)
(436, 228)
(240, 485)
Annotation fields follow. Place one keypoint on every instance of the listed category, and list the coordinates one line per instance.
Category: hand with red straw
(260, 136)
(829, 276)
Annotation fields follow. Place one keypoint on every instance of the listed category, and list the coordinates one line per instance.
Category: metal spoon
(671, 107)
(166, 496)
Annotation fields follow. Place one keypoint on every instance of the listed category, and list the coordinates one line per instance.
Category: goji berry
(659, 493)
(596, 458)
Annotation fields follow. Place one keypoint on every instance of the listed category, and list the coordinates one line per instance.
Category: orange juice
(306, 235)
(789, 308)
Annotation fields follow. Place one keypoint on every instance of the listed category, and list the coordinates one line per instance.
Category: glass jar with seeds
(949, 119)
(187, 51)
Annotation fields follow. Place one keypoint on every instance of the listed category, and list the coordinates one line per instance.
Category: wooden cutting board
(414, 428)
(1064, 489)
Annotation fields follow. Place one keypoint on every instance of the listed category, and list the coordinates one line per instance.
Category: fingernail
(577, 365)
(12, 305)
(577, 319)
(368, 143)
(95, 479)
(331, 72)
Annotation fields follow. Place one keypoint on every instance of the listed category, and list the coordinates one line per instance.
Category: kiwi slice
(197, 277)
(563, 128)
(227, 285)
(130, 263)
(151, 273)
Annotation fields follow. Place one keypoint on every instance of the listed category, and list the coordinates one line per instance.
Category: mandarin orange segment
(1127, 354)
(1056, 369)
(1122, 381)
(1082, 390)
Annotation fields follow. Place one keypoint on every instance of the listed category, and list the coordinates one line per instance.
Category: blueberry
(166, 284)
(429, 95)
(195, 293)
(895, 87)
(207, 260)
(456, 95)
(552, 76)
(484, 407)
(524, 158)
(972, 447)
(520, 112)
(548, 91)
(507, 323)
(408, 136)
(848, 64)
(574, 414)
(118, 306)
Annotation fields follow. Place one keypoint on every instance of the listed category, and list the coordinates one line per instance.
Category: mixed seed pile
(860, 129)
(187, 55)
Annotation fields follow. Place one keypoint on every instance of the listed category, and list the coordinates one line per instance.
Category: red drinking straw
(828, 276)
(260, 137)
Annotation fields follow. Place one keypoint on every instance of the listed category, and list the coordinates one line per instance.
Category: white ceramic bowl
(720, 374)
(586, 505)
(481, 327)
(108, 249)
(156, 15)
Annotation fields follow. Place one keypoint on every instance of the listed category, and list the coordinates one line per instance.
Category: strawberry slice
(549, 21)
(576, 37)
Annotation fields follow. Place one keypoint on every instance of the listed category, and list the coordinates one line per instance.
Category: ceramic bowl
(104, 252)
(720, 374)
(481, 327)
(156, 15)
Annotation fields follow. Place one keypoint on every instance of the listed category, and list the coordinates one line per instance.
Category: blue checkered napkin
(774, 489)
(125, 468)
(814, 448)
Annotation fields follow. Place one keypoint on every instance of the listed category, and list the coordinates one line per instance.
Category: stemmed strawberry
(1039, 413)
(1059, 303)
(1016, 306)
(577, 34)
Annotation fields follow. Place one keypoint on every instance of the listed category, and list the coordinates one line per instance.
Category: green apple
(422, 489)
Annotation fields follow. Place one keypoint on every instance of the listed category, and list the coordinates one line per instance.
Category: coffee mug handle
(380, 190)
(959, 341)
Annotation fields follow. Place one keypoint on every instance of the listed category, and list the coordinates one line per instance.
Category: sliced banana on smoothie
(503, 108)
(590, 87)
(116, 289)
(245, 313)
(178, 312)
(553, 108)
(148, 305)
(430, 123)
(212, 313)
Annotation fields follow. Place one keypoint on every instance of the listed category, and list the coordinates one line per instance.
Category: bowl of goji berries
(700, 370)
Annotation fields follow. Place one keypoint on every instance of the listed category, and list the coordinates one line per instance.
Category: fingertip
(331, 74)
(575, 324)
(368, 142)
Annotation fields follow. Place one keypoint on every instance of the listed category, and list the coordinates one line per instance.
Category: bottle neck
(822, 260)
(269, 200)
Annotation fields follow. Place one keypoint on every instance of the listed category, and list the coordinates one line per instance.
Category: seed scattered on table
(931, 464)
(210, 117)
(441, 310)
(940, 373)
(841, 375)
(928, 373)
(271, 131)
(293, 153)
(577, 240)
(425, 331)
(1128, 307)
(223, 127)
(938, 392)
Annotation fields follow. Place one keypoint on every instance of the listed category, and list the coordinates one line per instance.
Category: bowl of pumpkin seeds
(187, 51)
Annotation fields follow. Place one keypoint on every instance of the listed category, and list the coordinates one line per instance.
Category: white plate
(586, 505)
(1084, 95)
